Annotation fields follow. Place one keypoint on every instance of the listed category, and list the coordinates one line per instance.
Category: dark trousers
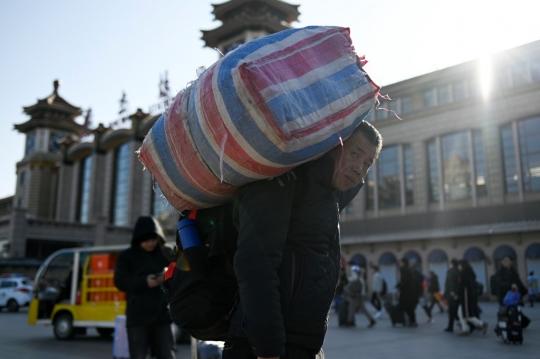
(239, 348)
(411, 314)
(158, 336)
(376, 301)
(452, 312)
(434, 301)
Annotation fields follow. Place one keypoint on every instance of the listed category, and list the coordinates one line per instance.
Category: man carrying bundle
(288, 256)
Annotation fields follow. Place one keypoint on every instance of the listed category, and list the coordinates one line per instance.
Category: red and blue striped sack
(263, 109)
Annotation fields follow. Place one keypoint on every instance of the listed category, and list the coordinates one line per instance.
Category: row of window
(456, 167)
(520, 74)
(120, 188)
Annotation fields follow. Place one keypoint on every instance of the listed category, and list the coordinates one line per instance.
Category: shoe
(449, 330)
(372, 324)
(413, 325)
(463, 334)
(484, 328)
(431, 320)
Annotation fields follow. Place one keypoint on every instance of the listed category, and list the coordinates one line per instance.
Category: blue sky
(98, 49)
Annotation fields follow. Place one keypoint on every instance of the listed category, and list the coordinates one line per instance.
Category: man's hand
(153, 281)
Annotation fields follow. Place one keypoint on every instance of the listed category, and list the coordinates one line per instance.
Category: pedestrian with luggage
(378, 287)
(505, 277)
(450, 293)
(355, 293)
(408, 292)
(532, 283)
(139, 272)
(468, 300)
(288, 252)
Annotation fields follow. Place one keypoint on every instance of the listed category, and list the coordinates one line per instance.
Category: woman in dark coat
(468, 299)
(408, 296)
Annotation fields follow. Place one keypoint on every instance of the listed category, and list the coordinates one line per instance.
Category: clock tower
(51, 119)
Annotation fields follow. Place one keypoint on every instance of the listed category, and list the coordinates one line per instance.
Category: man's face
(353, 161)
(149, 245)
(506, 262)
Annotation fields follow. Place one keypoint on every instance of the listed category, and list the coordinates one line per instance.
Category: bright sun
(485, 72)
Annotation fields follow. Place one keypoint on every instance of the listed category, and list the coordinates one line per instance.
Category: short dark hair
(371, 134)
(532, 273)
(404, 260)
(454, 262)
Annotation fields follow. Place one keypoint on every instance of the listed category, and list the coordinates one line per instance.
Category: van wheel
(105, 332)
(63, 327)
(12, 306)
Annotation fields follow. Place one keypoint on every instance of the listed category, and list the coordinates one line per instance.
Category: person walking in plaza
(420, 283)
(408, 293)
(432, 293)
(355, 293)
(451, 287)
(468, 300)
(532, 283)
(505, 277)
(139, 272)
(377, 290)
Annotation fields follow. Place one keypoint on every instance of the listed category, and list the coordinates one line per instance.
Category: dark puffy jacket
(505, 278)
(144, 305)
(433, 284)
(452, 283)
(408, 291)
(288, 257)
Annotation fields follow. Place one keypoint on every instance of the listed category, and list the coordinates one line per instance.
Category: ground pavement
(429, 340)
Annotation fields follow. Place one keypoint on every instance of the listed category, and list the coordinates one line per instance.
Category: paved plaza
(21, 341)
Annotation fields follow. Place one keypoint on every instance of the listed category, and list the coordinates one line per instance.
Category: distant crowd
(459, 297)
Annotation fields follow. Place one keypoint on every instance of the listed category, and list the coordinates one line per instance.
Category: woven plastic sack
(265, 108)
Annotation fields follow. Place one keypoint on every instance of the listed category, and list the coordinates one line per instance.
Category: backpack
(354, 289)
(201, 289)
(384, 287)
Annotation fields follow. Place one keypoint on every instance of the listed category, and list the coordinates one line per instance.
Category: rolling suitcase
(394, 312)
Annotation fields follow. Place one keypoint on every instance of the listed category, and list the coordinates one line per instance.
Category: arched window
(504, 251)
(387, 258)
(437, 256)
(533, 251)
(413, 257)
(85, 181)
(474, 254)
(121, 185)
(359, 260)
(532, 258)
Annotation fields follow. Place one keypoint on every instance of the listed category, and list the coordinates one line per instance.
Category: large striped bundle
(270, 105)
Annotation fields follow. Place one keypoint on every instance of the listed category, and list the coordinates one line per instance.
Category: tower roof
(288, 11)
(52, 111)
(239, 15)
